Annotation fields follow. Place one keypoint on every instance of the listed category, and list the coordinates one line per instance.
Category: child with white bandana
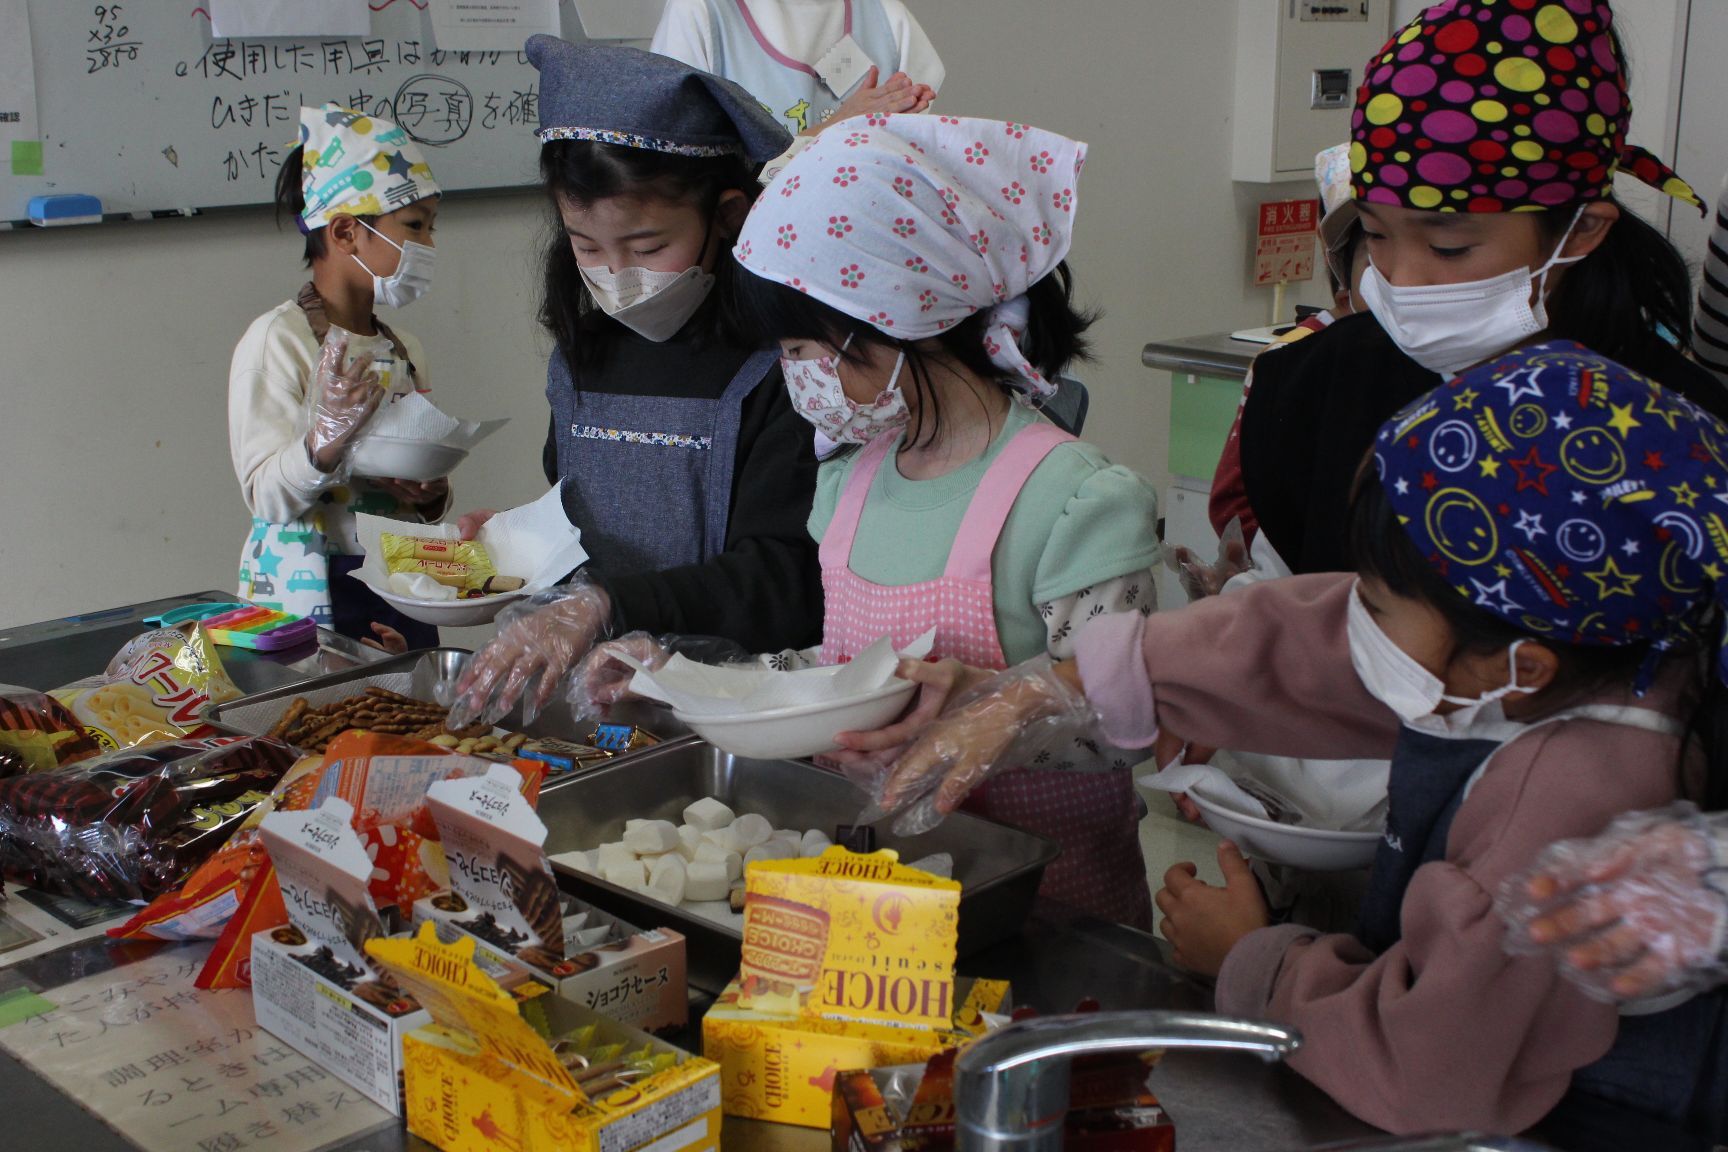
(365, 200)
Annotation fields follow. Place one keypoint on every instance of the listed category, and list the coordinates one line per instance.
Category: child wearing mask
(681, 458)
(366, 202)
(912, 270)
(1536, 612)
(1484, 146)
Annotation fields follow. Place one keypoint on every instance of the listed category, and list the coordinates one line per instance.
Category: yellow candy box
(485, 1074)
(847, 962)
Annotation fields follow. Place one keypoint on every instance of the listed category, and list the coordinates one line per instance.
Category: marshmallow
(709, 815)
(751, 830)
(666, 880)
(652, 837)
(706, 881)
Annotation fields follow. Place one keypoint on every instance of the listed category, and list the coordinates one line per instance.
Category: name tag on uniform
(844, 65)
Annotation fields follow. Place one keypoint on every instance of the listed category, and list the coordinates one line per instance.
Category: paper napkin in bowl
(414, 417)
(694, 689)
(534, 541)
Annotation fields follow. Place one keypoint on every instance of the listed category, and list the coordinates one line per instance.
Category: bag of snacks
(133, 823)
(154, 689)
(38, 733)
(385, 779)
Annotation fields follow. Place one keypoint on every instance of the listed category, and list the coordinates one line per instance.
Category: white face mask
(1447, 328)
(1394, 677)
(412, 278)
(821, 399)
(654, 305)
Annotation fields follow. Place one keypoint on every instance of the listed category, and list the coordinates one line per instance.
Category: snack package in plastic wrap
(154, 690)
(133, 823)
(37, 733)
(384, 779)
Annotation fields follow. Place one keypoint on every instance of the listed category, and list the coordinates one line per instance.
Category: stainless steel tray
(998, 867)
(420, 674)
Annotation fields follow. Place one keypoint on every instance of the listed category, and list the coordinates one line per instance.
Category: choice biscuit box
(312, 983)
(783, 1068)
(847, 962)
(503, 894)
(541, 1075)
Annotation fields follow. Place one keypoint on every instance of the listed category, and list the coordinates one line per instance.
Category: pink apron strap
(836, 549)
(975, 543)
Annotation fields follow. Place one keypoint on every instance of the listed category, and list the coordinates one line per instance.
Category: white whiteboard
(138, 106)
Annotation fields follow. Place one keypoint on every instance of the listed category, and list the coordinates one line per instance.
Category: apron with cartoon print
(289, 566)
(1094, 816)
(1667, 1064)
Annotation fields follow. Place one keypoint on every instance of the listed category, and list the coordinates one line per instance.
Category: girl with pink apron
(911, 269)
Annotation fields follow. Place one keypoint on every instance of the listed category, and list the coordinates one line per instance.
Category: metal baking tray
(998, 867)
(420, 674)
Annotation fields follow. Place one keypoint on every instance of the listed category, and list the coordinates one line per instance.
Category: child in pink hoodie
(1542, 565)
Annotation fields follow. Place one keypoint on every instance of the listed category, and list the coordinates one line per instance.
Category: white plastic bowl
(1316, 849)
(802, 730)
(452, 613)
(389, 458)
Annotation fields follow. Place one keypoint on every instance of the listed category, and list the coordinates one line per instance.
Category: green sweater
(1079, 520)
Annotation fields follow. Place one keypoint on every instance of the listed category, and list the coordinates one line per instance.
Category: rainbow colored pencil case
(248, 625)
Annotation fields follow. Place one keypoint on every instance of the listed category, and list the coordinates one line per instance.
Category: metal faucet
(1011, 1087)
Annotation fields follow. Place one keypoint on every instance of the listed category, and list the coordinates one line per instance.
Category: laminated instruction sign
(1284, 241)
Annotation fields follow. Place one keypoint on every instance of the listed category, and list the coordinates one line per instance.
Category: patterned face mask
(820, 398)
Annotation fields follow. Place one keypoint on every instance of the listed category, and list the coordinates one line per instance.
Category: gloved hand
(340, 402)
(864, 756)
(605, 680)
(539, 644)
(1200, 579)
(1000, 723)
(1639, 911)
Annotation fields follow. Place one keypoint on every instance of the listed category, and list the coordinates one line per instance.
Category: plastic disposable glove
(1001, 723)
(342, 399)
(1200, 579)
(604, 679)
(1639, 911)
(540, 643)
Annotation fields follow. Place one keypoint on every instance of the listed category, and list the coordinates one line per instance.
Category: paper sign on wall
(619, 19)
(491, 25)
(20, 141)
(1284, 241)
(290, 18)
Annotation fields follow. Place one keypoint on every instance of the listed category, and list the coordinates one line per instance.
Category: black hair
(583, 172)
(1055, 336)
(291, 200)
(1382, 549)
(1618, 299)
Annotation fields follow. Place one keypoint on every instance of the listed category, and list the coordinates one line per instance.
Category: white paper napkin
(1339, 795)
(706, 690)
(414, 417)
(534, 541)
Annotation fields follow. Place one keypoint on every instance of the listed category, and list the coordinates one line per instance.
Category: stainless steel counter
(1214, 355)
(1219, 1102)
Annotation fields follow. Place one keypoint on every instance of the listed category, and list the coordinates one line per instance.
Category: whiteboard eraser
(53, 211)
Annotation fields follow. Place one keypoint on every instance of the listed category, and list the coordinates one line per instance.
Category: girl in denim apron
(680, 456)
(366, 201)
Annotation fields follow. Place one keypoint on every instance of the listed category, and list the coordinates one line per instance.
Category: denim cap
(625, 96)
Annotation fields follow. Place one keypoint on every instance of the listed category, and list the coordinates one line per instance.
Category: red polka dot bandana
(1500, 106)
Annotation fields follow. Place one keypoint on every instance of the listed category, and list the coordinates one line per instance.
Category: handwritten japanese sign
(180, 1069)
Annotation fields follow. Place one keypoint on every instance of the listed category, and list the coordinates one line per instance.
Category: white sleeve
(685, 33)
(1063, 617)
(1710, 326)
(918, 58)
(266, 426)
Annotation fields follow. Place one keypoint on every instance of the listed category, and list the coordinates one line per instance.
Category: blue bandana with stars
(1567, 495)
